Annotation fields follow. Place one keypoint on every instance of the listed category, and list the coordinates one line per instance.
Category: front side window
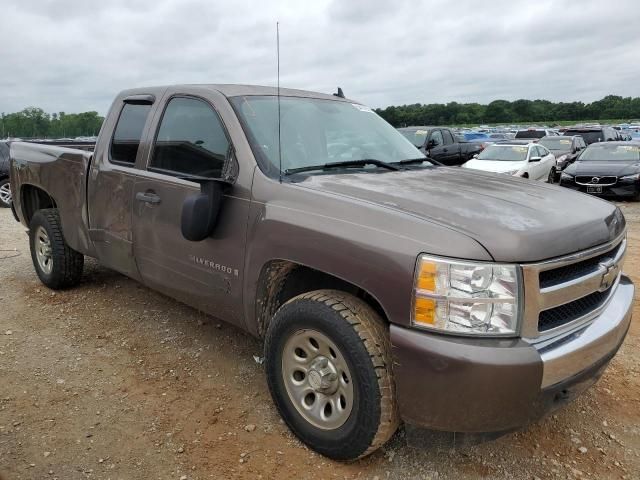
(436, 138)
(190, 140)
(128, 133)
(316, 131)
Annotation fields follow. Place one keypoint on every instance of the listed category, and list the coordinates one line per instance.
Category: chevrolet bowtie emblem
(609, 276)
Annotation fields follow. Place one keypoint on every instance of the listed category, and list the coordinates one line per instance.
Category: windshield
(504, 153)
(417, 137)
(530, 134)
(590, 136)
(315, 132)
(613, 153)
(557, 144)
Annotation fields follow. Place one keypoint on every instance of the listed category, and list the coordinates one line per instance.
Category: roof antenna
(339, 94)
(279, 140)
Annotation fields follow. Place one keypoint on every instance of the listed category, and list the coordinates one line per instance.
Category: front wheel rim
(42, 246)
(5, 193)
(317, 379)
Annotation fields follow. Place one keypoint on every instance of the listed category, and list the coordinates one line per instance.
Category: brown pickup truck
(387, 288)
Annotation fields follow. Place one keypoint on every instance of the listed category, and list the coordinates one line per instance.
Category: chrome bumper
(570, 354)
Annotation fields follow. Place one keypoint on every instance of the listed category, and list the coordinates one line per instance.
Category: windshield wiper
(411, 161)
(345, 164)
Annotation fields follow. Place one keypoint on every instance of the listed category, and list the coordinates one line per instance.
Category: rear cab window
(128, 133)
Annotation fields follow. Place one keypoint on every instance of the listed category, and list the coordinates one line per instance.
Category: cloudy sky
(72, 56)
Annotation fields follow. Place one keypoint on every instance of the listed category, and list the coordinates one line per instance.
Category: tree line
(34, 122)
(519, 111)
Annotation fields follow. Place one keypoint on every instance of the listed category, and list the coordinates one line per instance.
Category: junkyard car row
(387, 287)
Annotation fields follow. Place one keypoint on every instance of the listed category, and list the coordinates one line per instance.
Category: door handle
(148, 197)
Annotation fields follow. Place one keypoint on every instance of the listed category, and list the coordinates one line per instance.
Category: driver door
(435, 147)
(189, 139)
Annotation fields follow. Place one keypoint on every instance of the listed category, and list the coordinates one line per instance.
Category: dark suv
(5, 187)
(594, 134)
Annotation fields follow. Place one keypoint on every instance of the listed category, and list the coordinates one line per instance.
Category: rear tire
(58, 266)
(552, 175)
(328, 364)
(5, 193)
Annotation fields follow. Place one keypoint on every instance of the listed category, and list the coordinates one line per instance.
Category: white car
(519, 159)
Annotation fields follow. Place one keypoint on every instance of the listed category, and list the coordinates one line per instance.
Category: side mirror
(200, 212)
(431, 144)
(535, 159)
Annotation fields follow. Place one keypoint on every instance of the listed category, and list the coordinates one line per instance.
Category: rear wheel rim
(317, 379)
(42, 246)
(5, 192)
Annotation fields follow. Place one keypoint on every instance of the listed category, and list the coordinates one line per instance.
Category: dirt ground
(111, 380)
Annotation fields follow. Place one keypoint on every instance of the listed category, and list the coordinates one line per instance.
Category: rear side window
(190, 140)
(128, 133)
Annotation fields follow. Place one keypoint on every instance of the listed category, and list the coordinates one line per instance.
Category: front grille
(549, 278)
(558, 316)
(565, 291)
(589, 179)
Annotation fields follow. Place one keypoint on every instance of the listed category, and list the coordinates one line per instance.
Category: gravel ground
(111, 380)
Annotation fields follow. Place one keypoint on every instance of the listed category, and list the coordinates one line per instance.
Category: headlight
(465, 297)
(566, 176)
(561, 158)
(511, 172)
(635, 176)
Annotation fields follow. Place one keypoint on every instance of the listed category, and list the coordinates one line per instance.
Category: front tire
(5, 193)
(58, 266)
(552, 175)
(328, 364)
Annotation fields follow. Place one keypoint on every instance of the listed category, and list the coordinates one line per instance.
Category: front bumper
(620, 189)
(476, 385)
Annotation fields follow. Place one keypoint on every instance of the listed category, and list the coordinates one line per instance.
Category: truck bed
(61, 172)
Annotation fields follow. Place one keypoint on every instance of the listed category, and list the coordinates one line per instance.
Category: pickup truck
(441, 144)
(386, 288)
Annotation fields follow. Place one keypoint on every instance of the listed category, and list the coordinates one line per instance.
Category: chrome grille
(565, 292)
(596, 180)
(563, 314)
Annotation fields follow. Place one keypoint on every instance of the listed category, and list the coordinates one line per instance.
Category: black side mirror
(200, 212)
(431, 144)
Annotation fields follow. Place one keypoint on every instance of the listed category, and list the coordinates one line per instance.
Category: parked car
(564, 148)
(593, 134)
(5, 185)
(440, 144)
(520, 159)
(535, 133)
(606, 169)
(385, 287)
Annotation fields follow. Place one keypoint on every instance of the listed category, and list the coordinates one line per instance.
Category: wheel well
(526, 175)
(34, 199)
(281, 280)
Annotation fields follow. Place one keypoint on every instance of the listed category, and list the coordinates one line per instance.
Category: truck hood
(516, 220)
(496, 166)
